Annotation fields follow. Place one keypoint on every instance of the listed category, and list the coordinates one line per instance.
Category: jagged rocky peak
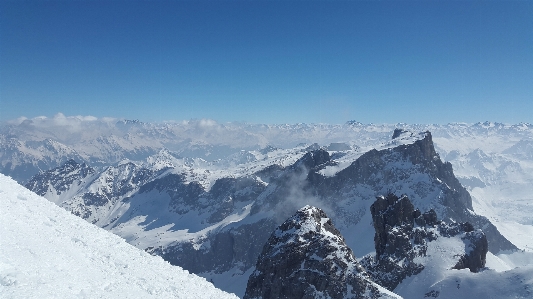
(403, 234)
(388, 212)
(306, 257)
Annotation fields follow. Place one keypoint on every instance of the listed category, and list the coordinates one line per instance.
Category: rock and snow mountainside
(306, 257)
(46, 252)
(404, 235)
(212, 218)
(418, 256)
(492, 160)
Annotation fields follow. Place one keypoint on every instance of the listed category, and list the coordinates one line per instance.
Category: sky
(269, 61)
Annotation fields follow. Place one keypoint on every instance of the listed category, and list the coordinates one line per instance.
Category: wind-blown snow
(46, 252)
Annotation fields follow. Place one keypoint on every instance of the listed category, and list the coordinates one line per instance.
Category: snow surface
(46, 252)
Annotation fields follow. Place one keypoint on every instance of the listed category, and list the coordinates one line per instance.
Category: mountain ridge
(214, 222)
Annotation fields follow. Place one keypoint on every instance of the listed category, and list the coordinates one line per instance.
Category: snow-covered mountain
(417, 256)
(213, 218)
(404, 235)
(420, 256)
(207, 195)
(46, 252)
(306, 257)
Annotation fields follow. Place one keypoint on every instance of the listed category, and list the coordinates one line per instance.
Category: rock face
(403, 234)
(306, 257)
(414, 169)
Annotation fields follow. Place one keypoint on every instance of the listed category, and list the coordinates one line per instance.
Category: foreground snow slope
(46, 252)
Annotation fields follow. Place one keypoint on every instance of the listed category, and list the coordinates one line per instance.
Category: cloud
(299, 196)
(60, 122)
(17, 121)
(202, 124)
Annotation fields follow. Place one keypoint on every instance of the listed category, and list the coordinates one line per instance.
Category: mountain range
(207, 196)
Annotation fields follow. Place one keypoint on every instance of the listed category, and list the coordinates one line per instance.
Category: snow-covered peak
(46, 252)
(306, 257)
(163, 159)
(307, 220)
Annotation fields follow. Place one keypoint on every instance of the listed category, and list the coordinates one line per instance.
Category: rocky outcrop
(476, 248)
(306, 257)
(402, 235)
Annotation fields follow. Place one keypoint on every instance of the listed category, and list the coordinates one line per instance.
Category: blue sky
(269, 61)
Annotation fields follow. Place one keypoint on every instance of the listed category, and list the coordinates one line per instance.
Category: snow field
(46, 252)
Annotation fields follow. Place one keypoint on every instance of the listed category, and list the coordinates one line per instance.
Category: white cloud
(60, 122)
(17, 121)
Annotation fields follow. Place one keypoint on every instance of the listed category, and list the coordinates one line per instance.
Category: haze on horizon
(269, 61)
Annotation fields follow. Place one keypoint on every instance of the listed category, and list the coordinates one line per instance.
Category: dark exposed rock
(396, 240)
(313, 159)
(271, 172)
(389, 212)
(306, 257)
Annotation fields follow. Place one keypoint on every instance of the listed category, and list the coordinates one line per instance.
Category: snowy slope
(494, 162)
(46, 252)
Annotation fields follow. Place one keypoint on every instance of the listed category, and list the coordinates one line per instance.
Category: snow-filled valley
(205, 195)
(46, 252)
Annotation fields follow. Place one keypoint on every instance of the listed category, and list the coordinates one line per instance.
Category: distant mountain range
(207, 196)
